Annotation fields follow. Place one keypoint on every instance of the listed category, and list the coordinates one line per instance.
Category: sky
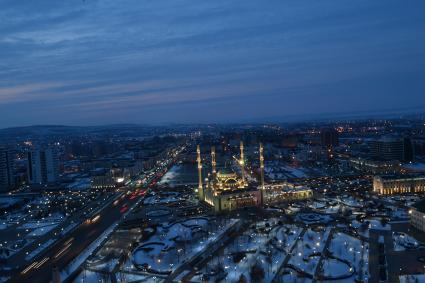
(88, 62)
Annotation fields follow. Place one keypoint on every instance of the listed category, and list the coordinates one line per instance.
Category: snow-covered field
(262, 244)
(350, 249)
(88, 276)
(350, 201)
(377, 224)
(278, 170)
(177, 242)
(305, 254)
(36, 228)
(416, 278)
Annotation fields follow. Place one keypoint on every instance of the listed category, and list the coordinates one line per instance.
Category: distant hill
(61, 130)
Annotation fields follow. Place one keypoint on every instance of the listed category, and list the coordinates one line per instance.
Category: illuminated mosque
(226, 190)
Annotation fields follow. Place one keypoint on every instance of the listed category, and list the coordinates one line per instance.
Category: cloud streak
(165, 61)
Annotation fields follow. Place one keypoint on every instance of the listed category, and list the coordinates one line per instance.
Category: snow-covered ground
(377, 224)
(403, 241)
(78, 261)
(313, 218)
(41, 248)
(351, 249)
(278, 170)
(178, 242)
(303, 255)
(167, 197)
(261, 245)
(361, 227)
(350, 201)
(36, 228)
(9, 248)
(400, 214)
(88, 276)
(414, 278)
(171, 175)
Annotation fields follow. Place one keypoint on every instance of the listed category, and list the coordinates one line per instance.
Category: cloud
(85, 57)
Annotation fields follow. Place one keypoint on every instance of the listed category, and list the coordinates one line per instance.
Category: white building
(393, 184)
(417, 215)
(43, 166)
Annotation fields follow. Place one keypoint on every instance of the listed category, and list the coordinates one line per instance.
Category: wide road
(71, 246)
(65, 250)
(19, 259)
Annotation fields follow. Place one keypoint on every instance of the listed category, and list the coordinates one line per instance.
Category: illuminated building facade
(390, 184)
(375, 166)
(103, 182)
(226, 190)
(275, 193)
(417, 215)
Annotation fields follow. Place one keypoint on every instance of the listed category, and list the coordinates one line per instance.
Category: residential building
(43, 166)
(387, 148)
(7, 179)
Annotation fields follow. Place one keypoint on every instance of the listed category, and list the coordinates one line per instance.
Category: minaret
(242, 162)
(262, 165)
(199, 160)
(213, 162)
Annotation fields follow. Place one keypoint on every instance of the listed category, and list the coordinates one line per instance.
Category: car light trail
(41, 262)
(63, 250)
(29, 267)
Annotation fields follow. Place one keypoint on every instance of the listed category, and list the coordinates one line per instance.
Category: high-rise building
(329, 137)
(409, 152)
(418, 144)
(7, 179)
(43, 166)
(388, 148)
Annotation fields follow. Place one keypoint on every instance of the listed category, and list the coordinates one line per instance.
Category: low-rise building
(274, 193)
(374, 166)
(103, 182)
(393, 184)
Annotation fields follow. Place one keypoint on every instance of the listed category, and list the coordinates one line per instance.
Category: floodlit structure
(392, 184)
(242, 161)
(213, 162)
(199, 160)
(262, 165)
(279, 192)
(226, 190)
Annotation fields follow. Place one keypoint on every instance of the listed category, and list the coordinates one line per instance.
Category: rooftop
(415, 166)
(401, 177)
(420, 206)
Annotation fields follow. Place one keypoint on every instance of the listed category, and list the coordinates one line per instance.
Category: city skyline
(212, 141)
(104, 62)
